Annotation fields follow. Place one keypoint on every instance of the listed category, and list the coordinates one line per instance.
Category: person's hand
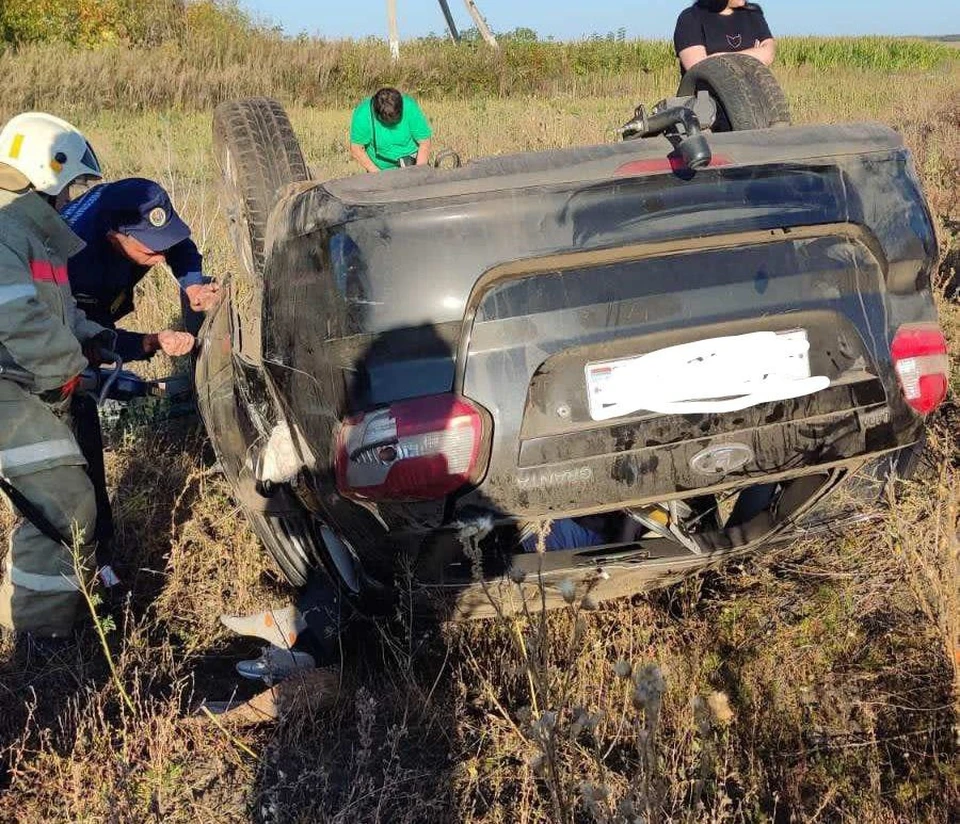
(58, 396)
(169, 342)
(203, 296)
(176, 344)
(94, 348)
(91, 351)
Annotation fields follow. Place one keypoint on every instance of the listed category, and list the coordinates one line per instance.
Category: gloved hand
(171, 343)
(203, 296)
(93, 347)
(63, 393)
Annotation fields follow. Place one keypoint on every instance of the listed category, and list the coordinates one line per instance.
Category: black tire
(284, 528)
(747, 93)
(291, 542)
(258, 155)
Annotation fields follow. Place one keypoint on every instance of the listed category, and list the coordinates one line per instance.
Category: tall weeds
(213, 62)
(924, 535)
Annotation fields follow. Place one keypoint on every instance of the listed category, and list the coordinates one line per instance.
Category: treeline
(161, 54)
(99, 23)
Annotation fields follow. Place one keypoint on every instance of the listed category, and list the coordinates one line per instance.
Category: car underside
(608, 365)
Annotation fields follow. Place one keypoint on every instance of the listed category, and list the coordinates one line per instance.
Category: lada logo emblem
(721, 460)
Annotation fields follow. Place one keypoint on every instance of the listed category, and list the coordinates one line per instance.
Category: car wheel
(747, 93)
(258, 155)
(288, 534)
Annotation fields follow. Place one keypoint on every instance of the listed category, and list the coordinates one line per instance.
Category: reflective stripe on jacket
(41, 328)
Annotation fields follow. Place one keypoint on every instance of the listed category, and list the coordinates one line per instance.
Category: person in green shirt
(388, 131)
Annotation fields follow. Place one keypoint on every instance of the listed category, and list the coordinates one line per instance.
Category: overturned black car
(600, 368)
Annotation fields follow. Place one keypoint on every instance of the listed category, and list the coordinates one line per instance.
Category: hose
(113, 357)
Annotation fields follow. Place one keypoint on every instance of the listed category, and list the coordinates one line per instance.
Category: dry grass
(205, 64)
(817, 684)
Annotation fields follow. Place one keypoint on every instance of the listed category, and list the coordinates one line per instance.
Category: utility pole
(451, 25)
(481, 24)
(392, 30)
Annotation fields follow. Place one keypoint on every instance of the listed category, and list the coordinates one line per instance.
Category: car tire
(287, 532)
(259, 155)
(747, 93)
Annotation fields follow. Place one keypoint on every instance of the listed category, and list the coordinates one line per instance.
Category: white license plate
(707, 376)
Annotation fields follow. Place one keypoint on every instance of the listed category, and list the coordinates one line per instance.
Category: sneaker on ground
(275, 664)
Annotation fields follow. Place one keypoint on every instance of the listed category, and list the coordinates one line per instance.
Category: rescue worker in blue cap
(129, 226)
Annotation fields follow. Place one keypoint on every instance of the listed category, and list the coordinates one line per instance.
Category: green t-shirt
(392, 142)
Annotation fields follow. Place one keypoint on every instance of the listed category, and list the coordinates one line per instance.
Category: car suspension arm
(693, 148)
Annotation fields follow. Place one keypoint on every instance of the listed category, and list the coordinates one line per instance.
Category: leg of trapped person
(298, 636)
(40, 458)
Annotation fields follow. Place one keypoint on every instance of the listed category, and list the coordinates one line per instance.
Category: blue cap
(146, 213)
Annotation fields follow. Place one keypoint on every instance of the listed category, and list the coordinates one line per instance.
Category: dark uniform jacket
(103, 279)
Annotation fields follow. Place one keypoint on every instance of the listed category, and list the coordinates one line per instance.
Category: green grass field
(820, 683)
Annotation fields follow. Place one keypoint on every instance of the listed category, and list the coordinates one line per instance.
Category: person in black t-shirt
(722, 26)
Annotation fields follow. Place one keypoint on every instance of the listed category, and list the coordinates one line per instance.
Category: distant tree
(93, 23)
(521, 34)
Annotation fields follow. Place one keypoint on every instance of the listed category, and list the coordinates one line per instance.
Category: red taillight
(415, 450)
(919, 353)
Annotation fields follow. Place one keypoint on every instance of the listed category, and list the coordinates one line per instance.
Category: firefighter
(129, 226)
(42, 340)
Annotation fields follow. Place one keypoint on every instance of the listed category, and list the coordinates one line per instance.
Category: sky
(566, 20)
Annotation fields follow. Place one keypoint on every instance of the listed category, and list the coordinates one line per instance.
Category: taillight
(919, 353)
(419, 449)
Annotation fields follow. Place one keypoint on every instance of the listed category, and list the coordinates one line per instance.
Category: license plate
(707, 376)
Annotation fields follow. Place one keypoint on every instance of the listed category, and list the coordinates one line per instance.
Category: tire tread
(746, 89)
(258, 134)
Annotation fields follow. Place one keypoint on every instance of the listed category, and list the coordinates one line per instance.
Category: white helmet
(48, 151)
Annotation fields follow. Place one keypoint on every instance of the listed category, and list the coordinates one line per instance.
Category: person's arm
(423, 152)
(132, 346)
(361, 135)
(170, 342)
(420, 130)
(186, 263)
(690, 56)
(359, 153)
(688, 39)
(764, 47)
(765, 51)
(138, 346)
(39, 342)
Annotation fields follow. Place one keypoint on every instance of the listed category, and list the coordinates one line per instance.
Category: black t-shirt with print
(720, 32)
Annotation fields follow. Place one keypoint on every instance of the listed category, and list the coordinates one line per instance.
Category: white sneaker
(275, 664)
